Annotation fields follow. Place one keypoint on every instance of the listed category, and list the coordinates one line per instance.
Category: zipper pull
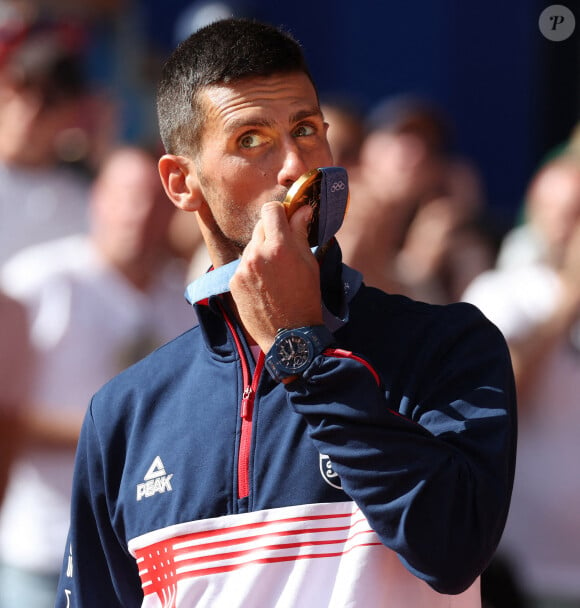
(247, 403)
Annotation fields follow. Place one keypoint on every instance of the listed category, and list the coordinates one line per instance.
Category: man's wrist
(294, 350)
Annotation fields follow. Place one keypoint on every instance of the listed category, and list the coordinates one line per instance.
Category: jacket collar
(339, 284)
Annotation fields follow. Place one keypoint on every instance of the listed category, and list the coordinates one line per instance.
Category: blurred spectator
(346, 131)
(371, 234)
(547, 220)
(42, 95)
(428, 201)
(382, 203)
(14, 380)
(97, 302)
(536, 304)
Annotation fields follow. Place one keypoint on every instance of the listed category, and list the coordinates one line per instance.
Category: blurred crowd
(94, 260)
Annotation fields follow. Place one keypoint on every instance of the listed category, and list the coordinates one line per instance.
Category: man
(97, 302)
(43, 99)
(375, 472)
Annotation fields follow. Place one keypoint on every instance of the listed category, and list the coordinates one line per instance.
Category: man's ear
(179, 178)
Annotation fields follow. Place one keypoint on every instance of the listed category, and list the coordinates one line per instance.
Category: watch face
(293, 352)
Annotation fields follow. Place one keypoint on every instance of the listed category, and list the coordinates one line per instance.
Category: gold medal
(306, 191)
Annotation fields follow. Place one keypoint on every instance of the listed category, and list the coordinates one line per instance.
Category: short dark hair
(225, 51)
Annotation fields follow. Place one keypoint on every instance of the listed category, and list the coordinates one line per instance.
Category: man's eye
(251, 140)
(304, 130)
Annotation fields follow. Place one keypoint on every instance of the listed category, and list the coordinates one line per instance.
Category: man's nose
(293, 165)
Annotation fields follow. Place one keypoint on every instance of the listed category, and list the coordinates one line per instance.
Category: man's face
(259, 136)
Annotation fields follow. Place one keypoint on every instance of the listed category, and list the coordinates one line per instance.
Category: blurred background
(511, 94)
(458, 122)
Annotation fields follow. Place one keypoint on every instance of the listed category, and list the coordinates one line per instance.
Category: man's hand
(277, 283)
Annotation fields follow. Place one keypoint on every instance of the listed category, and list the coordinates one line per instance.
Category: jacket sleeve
(426, 446)
(94, 554)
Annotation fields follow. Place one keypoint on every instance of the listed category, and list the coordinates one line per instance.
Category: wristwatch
(294, 350)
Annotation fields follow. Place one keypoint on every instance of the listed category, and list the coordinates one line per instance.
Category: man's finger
(274, 220)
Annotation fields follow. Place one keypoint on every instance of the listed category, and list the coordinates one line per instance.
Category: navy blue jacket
(412, 417)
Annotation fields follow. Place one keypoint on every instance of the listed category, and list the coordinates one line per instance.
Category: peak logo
(156, 481)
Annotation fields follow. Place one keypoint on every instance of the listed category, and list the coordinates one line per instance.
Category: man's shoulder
(163, 365)
(396, 323)
(141, 388)
(412, 343)
(374, 305)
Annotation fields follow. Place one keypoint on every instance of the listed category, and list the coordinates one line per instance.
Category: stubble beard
(245, 228)
(236, 244)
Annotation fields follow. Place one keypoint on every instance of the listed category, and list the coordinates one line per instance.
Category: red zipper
(246, 412)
